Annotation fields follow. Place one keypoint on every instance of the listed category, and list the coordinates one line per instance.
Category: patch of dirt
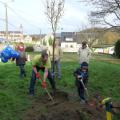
(62, 109)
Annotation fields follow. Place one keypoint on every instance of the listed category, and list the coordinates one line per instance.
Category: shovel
(49, 95)
(84, 87)
(51, 98)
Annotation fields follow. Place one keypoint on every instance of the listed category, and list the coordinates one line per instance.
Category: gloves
(37, 75)
(43, 84)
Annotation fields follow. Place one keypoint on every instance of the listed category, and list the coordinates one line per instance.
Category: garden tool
(81, 80)
(51, 98)
(46, 90)
(49, 95)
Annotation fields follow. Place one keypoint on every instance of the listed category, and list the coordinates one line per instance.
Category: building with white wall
(69, 46)
(12, 35)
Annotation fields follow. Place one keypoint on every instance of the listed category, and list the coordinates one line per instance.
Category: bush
(117, 49)
(50, 41)
(29, 49)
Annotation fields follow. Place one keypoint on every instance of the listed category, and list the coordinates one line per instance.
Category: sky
(31, 15)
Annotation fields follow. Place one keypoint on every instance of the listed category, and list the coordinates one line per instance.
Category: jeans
(80, 89)
(81, 93)
(33, 81)
(56, 66)
(22, 71)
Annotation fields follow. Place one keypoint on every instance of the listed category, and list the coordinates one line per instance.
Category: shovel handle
(49, 94)
(84, 87)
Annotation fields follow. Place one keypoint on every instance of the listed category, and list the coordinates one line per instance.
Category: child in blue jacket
(81, 73)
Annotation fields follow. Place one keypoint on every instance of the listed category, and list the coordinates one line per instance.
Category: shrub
(117, 49)
(44, 42)
(29, 49)
(50, 41)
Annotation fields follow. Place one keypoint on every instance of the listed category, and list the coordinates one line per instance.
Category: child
(21, 60)
(81, 73)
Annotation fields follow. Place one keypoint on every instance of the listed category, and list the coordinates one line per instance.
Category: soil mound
(62, 109)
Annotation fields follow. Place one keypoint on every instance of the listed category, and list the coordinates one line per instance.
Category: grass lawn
(104, 78)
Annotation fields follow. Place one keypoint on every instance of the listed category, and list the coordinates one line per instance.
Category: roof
(4, 32)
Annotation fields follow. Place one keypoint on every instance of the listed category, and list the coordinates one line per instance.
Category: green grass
(13, 98)
(104, 77)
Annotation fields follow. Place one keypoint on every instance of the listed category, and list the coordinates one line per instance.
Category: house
(14, 36)
(69, 46)
(68, 42)
(68, 37)
(28, 39)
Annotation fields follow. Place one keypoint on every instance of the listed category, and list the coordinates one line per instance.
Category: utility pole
(6, 20)
(40, 37)
(40, 34)
(21, 33)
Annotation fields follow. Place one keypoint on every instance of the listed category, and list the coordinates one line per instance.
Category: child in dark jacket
(81, 73)
(21, 60)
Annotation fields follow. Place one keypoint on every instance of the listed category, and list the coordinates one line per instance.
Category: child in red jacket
(21, 60)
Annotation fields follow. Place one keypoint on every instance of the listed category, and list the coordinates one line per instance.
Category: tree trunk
(53, 59)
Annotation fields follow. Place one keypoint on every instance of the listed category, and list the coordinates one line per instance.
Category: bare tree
(107, 11)
(91, 35)
(94, 36)
(54, 11)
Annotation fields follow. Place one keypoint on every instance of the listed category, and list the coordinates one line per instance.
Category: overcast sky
(30, 13)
